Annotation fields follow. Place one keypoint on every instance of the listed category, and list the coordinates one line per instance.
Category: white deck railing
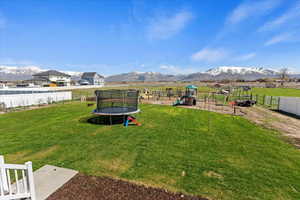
(16, 181)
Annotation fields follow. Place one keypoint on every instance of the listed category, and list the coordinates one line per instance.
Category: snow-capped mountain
(233, 73)
(12, 73)
(241, 71)
(20, 70)
(220, 73)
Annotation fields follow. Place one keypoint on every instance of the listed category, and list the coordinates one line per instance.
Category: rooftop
(90, 75)
(51, 72)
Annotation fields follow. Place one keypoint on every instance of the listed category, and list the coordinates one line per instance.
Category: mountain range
(219, 73)
(12, 73)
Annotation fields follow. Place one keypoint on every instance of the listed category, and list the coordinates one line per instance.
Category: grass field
(230, 159)
(287, 92)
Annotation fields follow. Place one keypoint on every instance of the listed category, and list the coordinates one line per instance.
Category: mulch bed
(83, 187)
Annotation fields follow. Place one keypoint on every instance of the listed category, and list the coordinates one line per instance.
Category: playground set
(189, 98)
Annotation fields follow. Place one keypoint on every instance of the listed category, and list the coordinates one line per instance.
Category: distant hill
(141, 76)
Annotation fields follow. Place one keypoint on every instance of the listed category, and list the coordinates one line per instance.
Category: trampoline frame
(128, 110)
(116, 114)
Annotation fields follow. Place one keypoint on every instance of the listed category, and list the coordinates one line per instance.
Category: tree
(283, 75)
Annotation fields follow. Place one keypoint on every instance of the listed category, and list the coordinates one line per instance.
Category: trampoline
(116, 102)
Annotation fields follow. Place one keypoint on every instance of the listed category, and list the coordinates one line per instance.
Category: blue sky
(169, 36)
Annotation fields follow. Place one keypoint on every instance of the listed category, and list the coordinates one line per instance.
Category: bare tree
(283, 75)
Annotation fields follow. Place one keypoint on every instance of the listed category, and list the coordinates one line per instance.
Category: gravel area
(83, 187)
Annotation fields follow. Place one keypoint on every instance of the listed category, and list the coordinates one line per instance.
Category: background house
(91, 78)
(51, 78)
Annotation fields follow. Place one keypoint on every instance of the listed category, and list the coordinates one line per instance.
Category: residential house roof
(52, 73)
(90, 75)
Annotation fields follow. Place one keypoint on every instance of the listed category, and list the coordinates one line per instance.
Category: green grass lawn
(233, 159)
(287, 92)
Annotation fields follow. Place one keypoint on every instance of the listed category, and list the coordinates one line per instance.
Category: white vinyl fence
(16, 181)
(18, 100)
(290, 105)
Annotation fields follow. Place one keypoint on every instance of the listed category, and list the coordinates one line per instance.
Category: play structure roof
(191, 87)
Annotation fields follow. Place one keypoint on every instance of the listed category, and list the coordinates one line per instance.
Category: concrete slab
(50, 178)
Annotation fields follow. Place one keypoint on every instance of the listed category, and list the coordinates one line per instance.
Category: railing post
(3, 176)
(30, 180)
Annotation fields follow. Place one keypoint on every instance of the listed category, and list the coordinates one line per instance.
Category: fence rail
(22, 100)
(16, 181)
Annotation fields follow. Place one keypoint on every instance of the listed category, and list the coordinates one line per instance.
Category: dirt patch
(287, 125)
(83, 187)
(116, 165)
(44, 153)
(102, 130)
(213, 174)
(23, 156)
(16, 157)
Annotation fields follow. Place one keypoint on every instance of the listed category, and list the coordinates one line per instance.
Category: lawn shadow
(103, 120)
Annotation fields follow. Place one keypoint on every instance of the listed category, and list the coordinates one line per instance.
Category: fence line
(270, 102)
(22, 100)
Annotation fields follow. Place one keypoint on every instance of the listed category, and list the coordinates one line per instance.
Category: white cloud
(251, 8)
(176, 70)
(292, 15)
(283, 37)
(210, 55)
(246, 57)
(165, 27)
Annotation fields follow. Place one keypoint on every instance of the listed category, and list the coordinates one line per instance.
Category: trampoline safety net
(116, 102)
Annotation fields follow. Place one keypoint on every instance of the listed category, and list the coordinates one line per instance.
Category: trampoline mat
(116, 111)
